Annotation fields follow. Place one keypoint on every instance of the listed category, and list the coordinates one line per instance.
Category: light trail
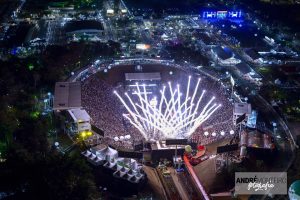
(171, 115)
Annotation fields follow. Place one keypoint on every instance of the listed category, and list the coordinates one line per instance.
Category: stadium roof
(222, 53)
(155, 76)
(67, 95)
(83, 25)
(242, 108)
(79, 115)
(243, 68)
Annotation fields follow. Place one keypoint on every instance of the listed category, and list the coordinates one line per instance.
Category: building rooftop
(243, 68)
(252, 54)
(67, 95)
(83, 25)
(242, 108)
(154, 76)
(79, 115)
(223, 53)
(204, 37)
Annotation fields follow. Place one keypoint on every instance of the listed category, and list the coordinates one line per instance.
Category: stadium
(138, 117)
(133, 102)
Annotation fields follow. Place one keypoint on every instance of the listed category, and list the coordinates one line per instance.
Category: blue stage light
(222, 14)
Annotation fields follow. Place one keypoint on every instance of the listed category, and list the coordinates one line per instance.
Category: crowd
(107, 111)
(221, 120)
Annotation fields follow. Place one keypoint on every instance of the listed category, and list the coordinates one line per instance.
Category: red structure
(195, 179)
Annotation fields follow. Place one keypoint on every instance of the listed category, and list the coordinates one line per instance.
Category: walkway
(180, 188)
(195, 178)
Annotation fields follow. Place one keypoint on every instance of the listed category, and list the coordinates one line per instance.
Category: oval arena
(107, 111)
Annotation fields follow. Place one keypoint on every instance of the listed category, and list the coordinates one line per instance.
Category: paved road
(180, 188)
(155, 182)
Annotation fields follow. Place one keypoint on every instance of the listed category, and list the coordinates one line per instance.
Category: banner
(260, 183)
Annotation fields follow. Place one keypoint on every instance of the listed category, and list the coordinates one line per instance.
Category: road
(180, 188)
(155, 182)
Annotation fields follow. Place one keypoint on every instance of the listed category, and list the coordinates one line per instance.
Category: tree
(50, 176)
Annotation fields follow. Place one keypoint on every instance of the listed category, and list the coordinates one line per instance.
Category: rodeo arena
(145, 118)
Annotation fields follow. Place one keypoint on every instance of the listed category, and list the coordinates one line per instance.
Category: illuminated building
(222, 14)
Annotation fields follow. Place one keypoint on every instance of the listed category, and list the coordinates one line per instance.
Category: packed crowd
(221, 120)
(107, 111)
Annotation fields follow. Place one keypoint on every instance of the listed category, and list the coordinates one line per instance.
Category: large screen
(222, 14)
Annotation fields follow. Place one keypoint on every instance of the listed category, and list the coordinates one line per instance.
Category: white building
(84, 29)
(67, 95)
(81, 121)
(239, 109)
